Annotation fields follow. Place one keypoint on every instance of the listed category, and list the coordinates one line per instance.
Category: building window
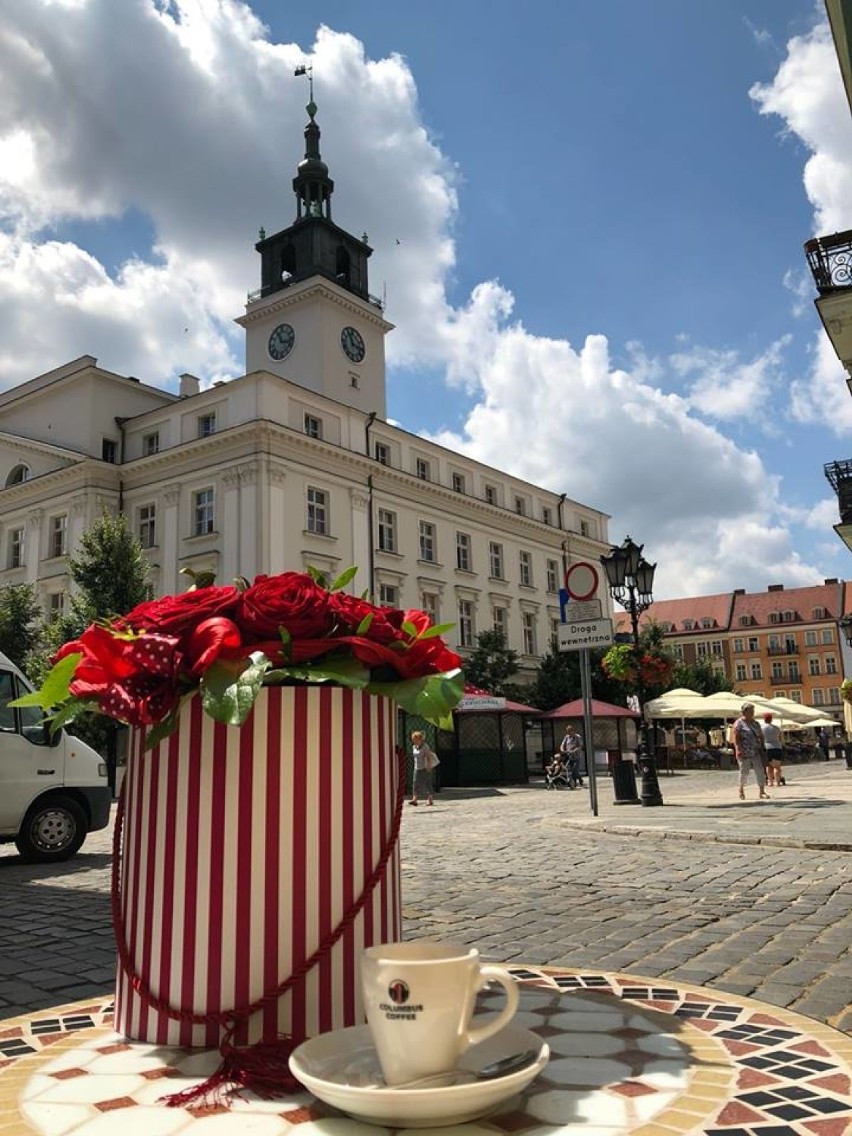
(745, 621)
(741, 672)
(795, 674)
(421, 469)
(388, 595)
(810, 638)
(17, 475)
(491, 494)
(788, 616)
(15, 557)
(520, 506)
(427, 541)
(429, 605)
(317, 511)
(774, 617)
(780, 693)
(554, 634)
(774, 642)
(58, 535)
(202, 512)
(458, 483)
(819, 613)
(552, 576)
(796, 695)
(495, 560)
(313, 426)
(701, 650)
(500, 619)
(387, 530)
(383, 453)
(465, 623)
(109, 452)
(688, 624)
(56, 603)
(830, 665)
(738, 645)
(753, 644)
(813, 664)
(777, 670)
(151, 443)
(585, 528)
(834, 695)
(828, 635)
(818, 697)
(678, 651)
(756, 671)
(528, 618)
(546, 515)
(207, 424)
(464, 560)
(525, 568)
(716, 647)
(147, 528)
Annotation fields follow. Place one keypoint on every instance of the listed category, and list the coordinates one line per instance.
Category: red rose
(351, 611)
(173, 615)
(213, 639)
(292, 600)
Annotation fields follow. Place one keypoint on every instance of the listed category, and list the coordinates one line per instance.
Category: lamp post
(631, 582)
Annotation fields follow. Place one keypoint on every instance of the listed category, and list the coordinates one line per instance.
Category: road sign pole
(588, 722)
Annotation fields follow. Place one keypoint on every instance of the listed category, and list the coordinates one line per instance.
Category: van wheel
(52, 830)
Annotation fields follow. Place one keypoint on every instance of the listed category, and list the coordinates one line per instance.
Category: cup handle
(498, 974)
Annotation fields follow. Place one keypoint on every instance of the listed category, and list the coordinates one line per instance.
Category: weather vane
(308, 69)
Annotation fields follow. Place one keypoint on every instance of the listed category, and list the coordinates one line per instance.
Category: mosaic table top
(628, 1055)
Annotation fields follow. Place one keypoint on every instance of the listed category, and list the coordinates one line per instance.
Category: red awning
(599, 710)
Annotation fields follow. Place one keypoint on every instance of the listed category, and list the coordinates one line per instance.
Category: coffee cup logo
(398, 992)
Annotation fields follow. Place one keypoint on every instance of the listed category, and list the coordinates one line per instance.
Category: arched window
(18, 474)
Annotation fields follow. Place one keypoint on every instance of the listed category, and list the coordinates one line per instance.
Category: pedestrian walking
(774, 743)
(750, 750)
(823, 743)
(425, 761)
(571, 748)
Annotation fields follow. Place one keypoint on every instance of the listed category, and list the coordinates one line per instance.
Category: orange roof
(678, 613)
(759, 607)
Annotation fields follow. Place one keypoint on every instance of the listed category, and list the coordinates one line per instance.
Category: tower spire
(312, 185)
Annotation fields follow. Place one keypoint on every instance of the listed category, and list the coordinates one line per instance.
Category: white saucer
(337, 1067)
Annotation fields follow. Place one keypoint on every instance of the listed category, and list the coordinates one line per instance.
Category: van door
(29, 763)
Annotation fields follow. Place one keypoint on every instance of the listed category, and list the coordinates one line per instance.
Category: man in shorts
(774, 743)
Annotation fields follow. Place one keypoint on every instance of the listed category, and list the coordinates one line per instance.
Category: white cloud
(187, 114)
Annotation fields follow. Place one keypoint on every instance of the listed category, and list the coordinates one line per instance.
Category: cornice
(294, 295)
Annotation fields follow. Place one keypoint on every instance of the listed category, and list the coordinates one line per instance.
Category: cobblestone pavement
(704, 890)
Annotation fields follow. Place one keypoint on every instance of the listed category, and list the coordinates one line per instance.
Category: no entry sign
(581, 580)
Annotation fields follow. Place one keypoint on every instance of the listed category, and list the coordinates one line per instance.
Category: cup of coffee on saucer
(419, 999)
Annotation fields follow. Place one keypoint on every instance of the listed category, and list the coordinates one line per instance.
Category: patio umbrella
(794, 711)
(673, 704)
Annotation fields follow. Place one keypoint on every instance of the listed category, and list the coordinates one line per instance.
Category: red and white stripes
(243, 849)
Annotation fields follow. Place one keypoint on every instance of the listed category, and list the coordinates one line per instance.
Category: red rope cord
(230, 1018)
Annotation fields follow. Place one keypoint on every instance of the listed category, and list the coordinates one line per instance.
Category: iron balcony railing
(839, 476)
(794, 677)
(788, 649)
(830, 262)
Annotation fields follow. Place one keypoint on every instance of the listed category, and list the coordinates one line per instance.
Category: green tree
(111, 577)
(558, 680)
(492, 663)
(20, 621)
(701, 677)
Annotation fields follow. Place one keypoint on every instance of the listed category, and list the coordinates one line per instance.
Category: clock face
(281, 341)
(353, 344)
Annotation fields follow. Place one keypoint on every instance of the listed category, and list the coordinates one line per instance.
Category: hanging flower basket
(846, 690)
(253, 864)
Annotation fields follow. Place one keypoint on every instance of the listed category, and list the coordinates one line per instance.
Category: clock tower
(313, 320)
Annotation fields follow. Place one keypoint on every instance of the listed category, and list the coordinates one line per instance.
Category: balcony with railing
(786, 649)
(830, 262)
(794, 678)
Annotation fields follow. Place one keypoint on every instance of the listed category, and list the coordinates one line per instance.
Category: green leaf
(230, 686)
(409, 628)
(364, 626)
(71, 710)
(162, 729)
(54, 689)
(432, 698)
(437, 629)
(343, 579)
(317, 576)
(345, 671)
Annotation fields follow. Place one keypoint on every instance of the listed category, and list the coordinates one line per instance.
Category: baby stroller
(559, 775)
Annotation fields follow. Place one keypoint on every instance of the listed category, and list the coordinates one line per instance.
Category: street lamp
(846, 627)
(631, 582)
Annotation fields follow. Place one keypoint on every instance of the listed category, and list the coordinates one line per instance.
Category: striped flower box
(243, 850)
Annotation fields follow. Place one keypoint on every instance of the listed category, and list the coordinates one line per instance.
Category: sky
(587, 220)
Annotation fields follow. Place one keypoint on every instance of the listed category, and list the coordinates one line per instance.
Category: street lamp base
(651, 795)
(624, 783)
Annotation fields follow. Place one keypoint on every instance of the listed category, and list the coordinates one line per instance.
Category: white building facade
(291, 465)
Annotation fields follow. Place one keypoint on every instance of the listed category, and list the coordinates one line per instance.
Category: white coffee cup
(419, 998)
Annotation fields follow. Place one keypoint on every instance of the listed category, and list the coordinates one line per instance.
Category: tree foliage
(701, 677)
(652, 663)
(20, 621)
(558, 680)
(492, 664)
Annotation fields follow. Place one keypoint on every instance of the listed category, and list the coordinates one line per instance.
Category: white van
(53, 790)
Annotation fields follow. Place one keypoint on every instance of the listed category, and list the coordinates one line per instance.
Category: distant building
(784, 642)
(293, 464)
